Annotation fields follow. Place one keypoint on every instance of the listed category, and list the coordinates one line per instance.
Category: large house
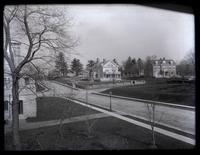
(27, 90)
(163, 68)
(106, 70)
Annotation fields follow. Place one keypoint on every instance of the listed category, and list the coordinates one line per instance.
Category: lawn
(173, 93)
(51, 108)
(107, 134)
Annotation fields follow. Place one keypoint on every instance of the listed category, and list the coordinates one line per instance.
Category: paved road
(173, 117)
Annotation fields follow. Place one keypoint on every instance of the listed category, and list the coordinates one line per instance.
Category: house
(84, 74)
(164, 68)
(106, 70)
(27, 90)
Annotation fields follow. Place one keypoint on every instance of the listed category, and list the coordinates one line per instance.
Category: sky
(119, 31)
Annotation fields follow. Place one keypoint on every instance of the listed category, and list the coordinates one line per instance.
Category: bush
(85, 79)
(97, 80)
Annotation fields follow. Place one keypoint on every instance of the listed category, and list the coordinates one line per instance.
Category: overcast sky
(119, 31)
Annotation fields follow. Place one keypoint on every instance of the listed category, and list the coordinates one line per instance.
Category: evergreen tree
(130, 67)
(128, 64)
(61, 65)
(76, 66)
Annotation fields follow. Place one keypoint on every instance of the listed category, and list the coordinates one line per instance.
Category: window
(27, 82)
(20, 107)
(6, 105)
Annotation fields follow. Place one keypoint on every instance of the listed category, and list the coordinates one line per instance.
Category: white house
(27, 90)
(163, 68)
(106, 71)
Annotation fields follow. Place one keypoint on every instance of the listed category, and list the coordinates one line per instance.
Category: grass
(183, 94)
(108, 134)
(51, 108)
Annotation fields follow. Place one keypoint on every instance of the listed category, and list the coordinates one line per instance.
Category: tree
(128, 65)
(134, 68)
(148, 68)
(151, 115)
(187, 65)
(140, 66)
(61, 64)
(37, 29)
(90, 66)
(76, 66)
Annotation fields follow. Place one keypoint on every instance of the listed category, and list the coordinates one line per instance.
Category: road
(173, 117)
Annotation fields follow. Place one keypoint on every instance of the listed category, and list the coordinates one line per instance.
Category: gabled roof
(160, 61)
(104, 63)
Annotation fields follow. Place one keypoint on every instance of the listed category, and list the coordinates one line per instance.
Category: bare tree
(151, 115)
(187, 65)
(36, 28)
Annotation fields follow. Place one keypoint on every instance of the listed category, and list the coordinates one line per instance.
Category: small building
(84, 74)
(27, 90)
(164, 68)
(106, 70)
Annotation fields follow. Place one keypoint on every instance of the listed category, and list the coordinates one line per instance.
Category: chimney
(104, 60)
(97, 61)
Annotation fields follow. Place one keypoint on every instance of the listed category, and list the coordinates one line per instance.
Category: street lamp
(110, 100)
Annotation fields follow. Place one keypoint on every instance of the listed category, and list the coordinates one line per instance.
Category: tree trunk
(15, 114)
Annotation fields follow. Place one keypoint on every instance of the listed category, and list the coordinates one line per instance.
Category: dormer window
(27, 81)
